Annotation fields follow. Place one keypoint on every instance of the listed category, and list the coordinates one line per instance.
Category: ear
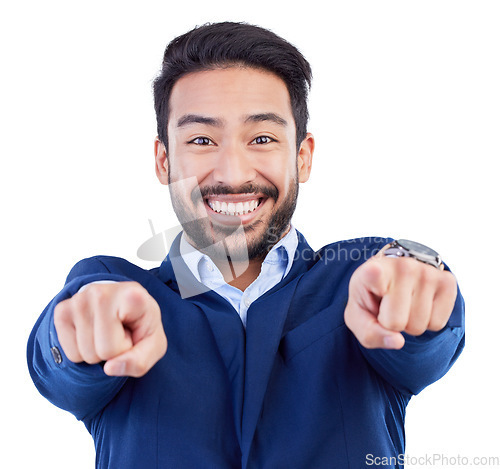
(161, 163)
(304, 158)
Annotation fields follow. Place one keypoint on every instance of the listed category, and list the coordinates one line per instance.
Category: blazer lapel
(265, 321)
(224, 321)
(249, 363)
(264, 327)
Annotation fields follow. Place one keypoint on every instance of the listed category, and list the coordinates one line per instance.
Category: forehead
(230, 93)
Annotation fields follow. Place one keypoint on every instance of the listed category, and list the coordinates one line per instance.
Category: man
(278, 356)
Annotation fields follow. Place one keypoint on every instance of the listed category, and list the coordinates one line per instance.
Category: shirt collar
(283, 250)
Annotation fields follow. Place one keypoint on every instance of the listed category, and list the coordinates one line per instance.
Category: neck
(228, 268)
(248, 276)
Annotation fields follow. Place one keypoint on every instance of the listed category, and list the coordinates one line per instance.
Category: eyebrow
(198, 119)
(216, 122)
(267, 116)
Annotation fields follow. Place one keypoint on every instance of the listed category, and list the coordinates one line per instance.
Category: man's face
(232, 159)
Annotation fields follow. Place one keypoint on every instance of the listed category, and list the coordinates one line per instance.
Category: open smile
(227, 208)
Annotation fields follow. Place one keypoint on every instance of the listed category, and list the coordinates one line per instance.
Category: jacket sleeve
(79, 388)
(423, 359)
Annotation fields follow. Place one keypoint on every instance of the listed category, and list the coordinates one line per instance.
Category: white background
(405, 110)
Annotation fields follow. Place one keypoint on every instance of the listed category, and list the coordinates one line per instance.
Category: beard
(236, 243)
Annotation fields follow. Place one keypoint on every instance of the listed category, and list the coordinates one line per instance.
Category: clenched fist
(390, 295)
(119, 323)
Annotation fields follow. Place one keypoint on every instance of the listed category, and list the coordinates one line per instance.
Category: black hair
(220, 45)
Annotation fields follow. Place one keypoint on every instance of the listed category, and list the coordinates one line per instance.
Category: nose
(234, 167)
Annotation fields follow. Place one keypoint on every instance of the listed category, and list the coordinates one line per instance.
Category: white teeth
(231, 208)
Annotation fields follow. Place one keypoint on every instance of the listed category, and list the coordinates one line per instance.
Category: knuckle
(347, 317)
(372, 268)
(73, 356)
(135, 293)
(104, 351)
(392, 323)
(367, 338)
(80, 301)
(405, 267)
(436, 324)
(415, 329)
(428, 274)
(140, 367)
(370, 272)
(449, 283)
(90, 357)
(163, 344)
(62, 313)
(93, 360)
(100, 294)
(110, 343)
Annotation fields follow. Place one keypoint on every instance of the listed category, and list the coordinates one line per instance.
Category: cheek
(184, 165)
(183, 188)
(176, 159)
(280, 174)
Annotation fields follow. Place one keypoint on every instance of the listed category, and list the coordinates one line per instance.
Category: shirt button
(56, 355)
(247, 302)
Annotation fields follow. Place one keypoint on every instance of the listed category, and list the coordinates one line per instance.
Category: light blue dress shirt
(275, 267)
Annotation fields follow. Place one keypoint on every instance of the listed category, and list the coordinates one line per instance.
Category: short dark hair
(220, 45)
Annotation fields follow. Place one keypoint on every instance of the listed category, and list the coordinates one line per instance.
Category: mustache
(268, 191)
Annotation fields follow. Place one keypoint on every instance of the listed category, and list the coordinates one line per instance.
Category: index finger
(137, 361)
(369, 332)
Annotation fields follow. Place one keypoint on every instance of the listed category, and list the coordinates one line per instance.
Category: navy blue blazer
(293, 390)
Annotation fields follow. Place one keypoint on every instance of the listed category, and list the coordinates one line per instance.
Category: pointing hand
(119, 323)
(390, 295)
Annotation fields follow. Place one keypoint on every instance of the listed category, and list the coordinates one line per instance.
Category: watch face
(417, 247)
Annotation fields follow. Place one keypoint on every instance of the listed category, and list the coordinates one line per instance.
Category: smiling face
(232, 159)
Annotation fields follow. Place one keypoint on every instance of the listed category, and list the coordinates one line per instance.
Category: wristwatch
(407, 248)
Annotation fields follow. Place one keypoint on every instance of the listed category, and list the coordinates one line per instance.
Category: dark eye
(262, 140)
(202, 141)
